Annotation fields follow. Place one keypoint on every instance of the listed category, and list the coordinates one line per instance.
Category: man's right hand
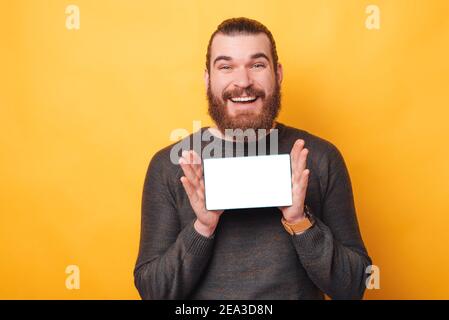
(193, 182)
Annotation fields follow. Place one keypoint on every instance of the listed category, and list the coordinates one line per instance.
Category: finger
(198, 169)
(202, 189)
(196, 157)
(188, 156)
(293, 152)
(302, 161)
(302, 186)
(201, 197)
(297, 147)
(198, 181)
(188, 171)
(190, 190)
(194, 162)
(197, 164)
(185, 155)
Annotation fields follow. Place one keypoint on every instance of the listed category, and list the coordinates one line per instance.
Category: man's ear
(206, 78)
(280, 73)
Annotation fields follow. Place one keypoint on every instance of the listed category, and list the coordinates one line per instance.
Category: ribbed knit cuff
(196, 243)
(310, 242)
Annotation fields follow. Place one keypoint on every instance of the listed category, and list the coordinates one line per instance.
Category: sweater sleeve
(170, 259)
(332, 251)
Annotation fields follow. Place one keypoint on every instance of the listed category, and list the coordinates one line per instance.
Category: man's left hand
(300, 178)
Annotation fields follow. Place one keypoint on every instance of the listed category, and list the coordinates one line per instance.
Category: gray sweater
(251, 255)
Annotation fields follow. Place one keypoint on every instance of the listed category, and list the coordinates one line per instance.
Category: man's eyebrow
(253, 56)
(227, 58)
(260, 55)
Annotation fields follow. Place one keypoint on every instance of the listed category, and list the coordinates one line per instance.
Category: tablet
(247, 182)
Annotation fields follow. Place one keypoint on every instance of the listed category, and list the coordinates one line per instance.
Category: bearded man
(307, 250)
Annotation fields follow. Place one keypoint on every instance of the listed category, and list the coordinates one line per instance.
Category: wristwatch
(301, 226)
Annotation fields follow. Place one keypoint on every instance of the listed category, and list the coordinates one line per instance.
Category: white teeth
(243, 99)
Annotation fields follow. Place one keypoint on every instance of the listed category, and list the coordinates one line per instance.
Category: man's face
(243, 90)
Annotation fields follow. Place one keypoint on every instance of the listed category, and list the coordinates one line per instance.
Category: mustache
(250, 91)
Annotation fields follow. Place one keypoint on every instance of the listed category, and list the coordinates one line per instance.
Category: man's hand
(300, 179)
(193, 182)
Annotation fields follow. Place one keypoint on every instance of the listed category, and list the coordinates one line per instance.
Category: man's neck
(219, 134)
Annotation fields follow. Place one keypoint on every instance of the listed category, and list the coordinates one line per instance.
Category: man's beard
(245, 119)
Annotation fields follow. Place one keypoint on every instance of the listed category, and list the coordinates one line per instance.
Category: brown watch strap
(301, 226)
(297, 227)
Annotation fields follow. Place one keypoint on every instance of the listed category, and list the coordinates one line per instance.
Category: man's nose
(242, 78)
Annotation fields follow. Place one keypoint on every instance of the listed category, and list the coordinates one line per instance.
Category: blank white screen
(247, 182)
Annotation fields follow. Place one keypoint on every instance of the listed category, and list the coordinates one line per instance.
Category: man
(303, 251)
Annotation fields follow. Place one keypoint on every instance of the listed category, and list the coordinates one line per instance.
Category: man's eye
(259, 65)
(224, 68)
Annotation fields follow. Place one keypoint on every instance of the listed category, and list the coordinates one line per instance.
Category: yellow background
(82, 112)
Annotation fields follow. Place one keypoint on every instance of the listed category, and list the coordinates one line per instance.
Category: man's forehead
(240, 46)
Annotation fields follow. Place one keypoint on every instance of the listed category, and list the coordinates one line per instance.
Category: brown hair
(244, 26)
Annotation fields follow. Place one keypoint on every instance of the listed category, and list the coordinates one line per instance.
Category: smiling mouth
(244, 99)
